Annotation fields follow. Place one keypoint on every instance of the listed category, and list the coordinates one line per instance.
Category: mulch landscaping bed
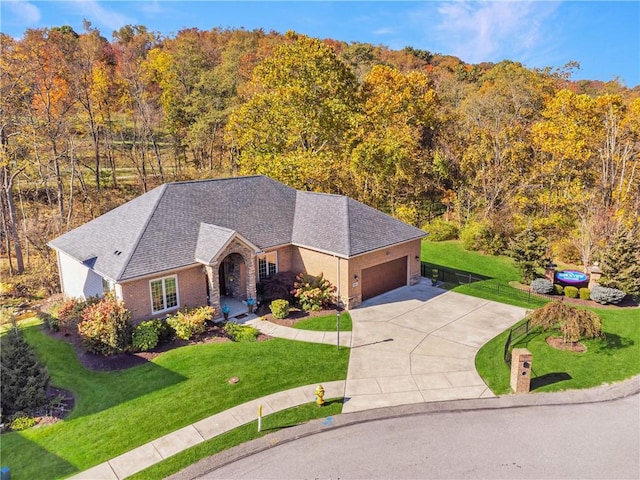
(558, 343)
(213, 334)
(627, 302)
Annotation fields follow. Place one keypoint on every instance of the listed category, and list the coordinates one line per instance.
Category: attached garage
(384, 277)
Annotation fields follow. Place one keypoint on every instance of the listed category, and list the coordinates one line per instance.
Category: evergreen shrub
(23, 378)
(558, 289)
(542, 285)
(571, 291)
(585, 293)
(606, 295)
(240, 333)
(145, 336)
(279, 308)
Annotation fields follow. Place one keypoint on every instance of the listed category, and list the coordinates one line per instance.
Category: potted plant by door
(251, 302)
(225, 312)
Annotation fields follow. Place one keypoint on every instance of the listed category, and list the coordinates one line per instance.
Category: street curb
(604, 393)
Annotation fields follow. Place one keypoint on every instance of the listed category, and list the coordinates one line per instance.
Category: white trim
(266, 257)
(164, 294)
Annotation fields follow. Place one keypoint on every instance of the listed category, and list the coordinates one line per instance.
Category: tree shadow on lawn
(19, 451)
(130, 377)
(612, 342)
(548, 379)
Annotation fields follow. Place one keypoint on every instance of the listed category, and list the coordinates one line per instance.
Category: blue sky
(604, 37)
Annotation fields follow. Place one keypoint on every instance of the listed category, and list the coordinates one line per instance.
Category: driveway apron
(418, 344)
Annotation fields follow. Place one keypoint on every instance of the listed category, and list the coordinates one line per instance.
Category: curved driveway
(418, 344)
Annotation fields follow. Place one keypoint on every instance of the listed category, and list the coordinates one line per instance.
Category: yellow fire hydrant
(320, 395)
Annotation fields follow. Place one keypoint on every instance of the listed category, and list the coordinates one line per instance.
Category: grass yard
(284, 419)
(499, 270)
(325, 323)
(610, 360)
(118, 411)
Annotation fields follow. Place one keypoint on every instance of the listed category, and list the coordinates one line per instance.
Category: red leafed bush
(106, 327)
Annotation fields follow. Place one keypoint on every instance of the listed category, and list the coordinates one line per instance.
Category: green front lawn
(325, 323)
(118, 411)
(276, 421)
(610, 360)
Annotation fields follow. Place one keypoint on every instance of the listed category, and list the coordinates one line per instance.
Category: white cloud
(492, 31)
(98, 15)
(22, 13)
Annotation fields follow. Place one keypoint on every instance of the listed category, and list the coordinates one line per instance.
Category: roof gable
(213, 239)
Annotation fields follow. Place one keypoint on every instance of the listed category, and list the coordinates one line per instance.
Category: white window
(164, 293)
(267, 265)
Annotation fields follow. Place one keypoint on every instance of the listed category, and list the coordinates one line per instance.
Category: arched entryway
(232, 277)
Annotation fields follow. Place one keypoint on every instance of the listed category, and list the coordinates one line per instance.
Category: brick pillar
(521, 360)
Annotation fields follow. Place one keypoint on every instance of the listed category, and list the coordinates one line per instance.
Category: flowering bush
(105, 328)
(70, 313)
(188, 323)
(313, 293)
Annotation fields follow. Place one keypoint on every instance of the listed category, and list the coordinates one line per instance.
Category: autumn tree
(391, 142)
(292, 126)
(620, 261)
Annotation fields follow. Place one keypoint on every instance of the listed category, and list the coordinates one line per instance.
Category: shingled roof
(170, 226)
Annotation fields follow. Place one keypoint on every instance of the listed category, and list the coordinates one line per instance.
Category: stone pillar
(250, 264)
(550, 272)
(594, 275)
(214, 288)
(521, 360)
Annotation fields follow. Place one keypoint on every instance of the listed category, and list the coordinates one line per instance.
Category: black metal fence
(451, 278)
(515, 333)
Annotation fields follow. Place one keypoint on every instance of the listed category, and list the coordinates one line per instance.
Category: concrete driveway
(418, 344)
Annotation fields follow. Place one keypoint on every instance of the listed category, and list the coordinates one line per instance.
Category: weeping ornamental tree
(574, 323)
(529, 250)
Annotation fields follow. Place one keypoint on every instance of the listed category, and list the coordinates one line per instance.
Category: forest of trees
(88, 123)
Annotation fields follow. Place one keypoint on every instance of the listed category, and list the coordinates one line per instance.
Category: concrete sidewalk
(153, 452)
(275, 330)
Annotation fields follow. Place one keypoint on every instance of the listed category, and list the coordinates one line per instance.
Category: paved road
(595, 440)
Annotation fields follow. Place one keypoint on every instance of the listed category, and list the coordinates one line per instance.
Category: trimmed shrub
(23, 378)
(145, 336)
(585, 293)
(440, 230)
(279, 308)
(574, 323)
(542, 285)
(313, 293)
(558, 289)
(189, 323)
(606, 295)
(240, 333)
(571, 291)
(106, 327)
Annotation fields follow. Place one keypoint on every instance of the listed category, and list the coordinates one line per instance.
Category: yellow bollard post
(259, 418)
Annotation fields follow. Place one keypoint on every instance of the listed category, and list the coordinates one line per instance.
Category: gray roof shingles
(159, 230)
